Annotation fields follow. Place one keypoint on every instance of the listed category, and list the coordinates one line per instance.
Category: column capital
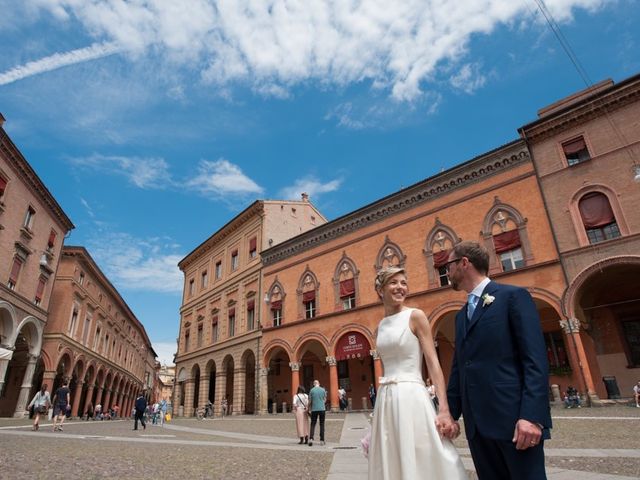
(295, 366)
(374, 354)
(331, 361)
(264, 371)
(570, 325)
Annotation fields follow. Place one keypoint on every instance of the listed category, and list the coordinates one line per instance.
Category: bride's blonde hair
(384, 275)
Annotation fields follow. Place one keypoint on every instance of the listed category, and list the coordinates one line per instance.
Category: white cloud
(137, 264)
(311, 186)
(272, 46)
(468, 79)
(165, 352)
(141, 172)
(222, 178)
(58, 60)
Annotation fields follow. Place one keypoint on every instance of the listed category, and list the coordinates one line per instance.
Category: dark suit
(500, 375)
(141, 407)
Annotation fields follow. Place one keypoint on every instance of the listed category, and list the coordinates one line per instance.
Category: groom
(499, 376)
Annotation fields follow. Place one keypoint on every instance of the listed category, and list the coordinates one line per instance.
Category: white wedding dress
(405, 444)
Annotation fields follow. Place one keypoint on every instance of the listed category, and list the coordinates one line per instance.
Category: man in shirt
(61, 400)
(318, 398)
(141, 407)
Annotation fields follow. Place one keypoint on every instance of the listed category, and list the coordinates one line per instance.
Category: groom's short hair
(476, 253)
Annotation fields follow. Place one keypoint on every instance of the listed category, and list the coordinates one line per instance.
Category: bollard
(284, 407)
(349, 404)
(555, 391)
(365, 403)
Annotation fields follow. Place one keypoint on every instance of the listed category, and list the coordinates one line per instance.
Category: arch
(8, 331)
(31, 328)
(502, 219)
(576, 217)
(278, 361)
(307, 294)
(306, 337)
(389, 254)
(210, 371)
(351, 327)
(269, 349)
(439, 242)
(346, 286)
(248, 362)
(182, 375)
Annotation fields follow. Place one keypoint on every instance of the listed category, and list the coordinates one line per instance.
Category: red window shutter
(347, 288)
(40, 289)
(251, 305)
(234, 252)
(308, 296)
(506, 241)
(232, 312)
(52, 239)
(3, 186)
(253, 244)
(277, 305)
(574, 146)
(214, 320)
(595, 210)
(440, 258)
(15, 270)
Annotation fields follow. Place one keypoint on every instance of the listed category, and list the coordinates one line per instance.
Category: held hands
(526, 434)
(446, 426)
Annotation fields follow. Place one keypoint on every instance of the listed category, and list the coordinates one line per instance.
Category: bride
(408, 438)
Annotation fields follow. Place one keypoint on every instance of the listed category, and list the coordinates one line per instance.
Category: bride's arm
(422, 330)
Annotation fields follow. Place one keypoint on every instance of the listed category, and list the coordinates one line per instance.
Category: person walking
(636, 394)
(317, 398)
(301, 411)
(407, 435)
(140, 408)
(342, 398)
(61, 401)
(499, 376)
(372, 395)
(40, 402)
(163, 411)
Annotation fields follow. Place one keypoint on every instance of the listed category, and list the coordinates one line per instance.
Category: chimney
(305, 197)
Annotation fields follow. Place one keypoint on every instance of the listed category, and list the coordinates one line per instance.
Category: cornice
(599, 104)
(475, 170)
(231, 227)
(31, 179)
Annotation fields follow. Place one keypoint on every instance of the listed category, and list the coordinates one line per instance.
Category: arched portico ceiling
(65, 362)
(195, 370)
(228, 363)
(211, 366)
(31, 329)
(247, 356)
(7, 324)
(275, 349)
(314, 344)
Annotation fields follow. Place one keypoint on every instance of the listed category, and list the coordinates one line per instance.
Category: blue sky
(154, 122)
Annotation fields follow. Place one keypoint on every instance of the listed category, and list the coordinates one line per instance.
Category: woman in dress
(301, 407)
(408, 437)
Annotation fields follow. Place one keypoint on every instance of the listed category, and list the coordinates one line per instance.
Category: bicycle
(204, 412)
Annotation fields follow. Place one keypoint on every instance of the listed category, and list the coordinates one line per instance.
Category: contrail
(58, 60)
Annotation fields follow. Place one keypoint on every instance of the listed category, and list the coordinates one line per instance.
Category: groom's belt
(400, 379)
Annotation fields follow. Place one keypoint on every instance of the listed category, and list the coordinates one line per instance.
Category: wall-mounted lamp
(266, 298)
(636, 177)
(43, 260)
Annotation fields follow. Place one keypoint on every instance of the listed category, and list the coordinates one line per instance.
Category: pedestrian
(342, 398)
(500, 373)
(572, 398)
(61, 401)
(140, 407)
(636, 394)
(407, 435)
(89, 411)
(116, 409)
(317, 398)
(431, 390)
(156, 412)
(40, 402)
(301, 411)
(372, 395)
(97, 412)
(224, 406)
(163, 411)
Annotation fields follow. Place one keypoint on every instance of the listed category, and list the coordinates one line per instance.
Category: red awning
(347, 288)
(308, 296)
(440, 258)
(253, 243)
(574, 146)
(277, 305)
(506, 241)
(251, 304)
(595, 210)
(352, 345)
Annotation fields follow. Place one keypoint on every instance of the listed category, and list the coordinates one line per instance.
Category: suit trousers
(139, 416)
(499, 460)
(314, 420)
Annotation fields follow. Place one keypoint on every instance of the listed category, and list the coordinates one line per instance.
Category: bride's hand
(445, 425)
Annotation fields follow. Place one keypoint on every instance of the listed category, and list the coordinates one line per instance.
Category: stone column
(295, 377)
(87, 400)
(107, 398)
(264, 390)
(377, 367)
(25, 388)
(4, 364)
(204, 390)
(333, 383)
(75, 403)
(578, 357)
(99, 396)
(221, 391)
(189, 390)
(239, 381)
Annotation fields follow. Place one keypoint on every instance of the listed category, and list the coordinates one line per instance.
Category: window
(276, 313)
(28, 218)
(631, 332)
(234, 259)
(52, 239)
(96, 341)
(575, 151)
(15, 273)
(40, 290)
(204, 279)
(440, 264)
(597, 217)
(3, 186)
(251, 314)
(218, 270)
(186, 341)
(508, 248)
(214, 329)
(348, 294)
(199, 335)
(309, 302)
(253, 247)
(74, 320)
(191, 287)
(81, 280)
(232, 322)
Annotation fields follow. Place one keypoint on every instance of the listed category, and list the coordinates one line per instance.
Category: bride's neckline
(398, 313)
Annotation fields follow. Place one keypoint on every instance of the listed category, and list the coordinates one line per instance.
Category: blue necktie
(471, 307)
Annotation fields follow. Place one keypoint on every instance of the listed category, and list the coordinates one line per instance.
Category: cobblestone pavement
(586, 443)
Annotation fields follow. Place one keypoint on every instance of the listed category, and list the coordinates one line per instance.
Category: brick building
(219, 336)
(322, 312)
(32, 230)
(94, 339)
(586, 150)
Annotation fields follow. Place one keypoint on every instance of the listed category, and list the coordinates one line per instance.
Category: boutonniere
(487, 299)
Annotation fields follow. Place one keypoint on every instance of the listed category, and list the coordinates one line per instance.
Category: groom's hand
(526, 434)
(445, 425)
